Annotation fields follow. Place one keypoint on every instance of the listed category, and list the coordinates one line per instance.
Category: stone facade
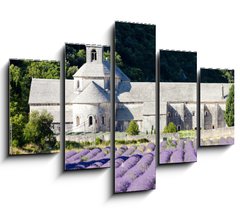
(87, 100)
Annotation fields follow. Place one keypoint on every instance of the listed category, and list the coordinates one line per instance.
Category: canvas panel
(134, 166)
(87, 106)
(34, 101)
(178, 107)
(216, 107)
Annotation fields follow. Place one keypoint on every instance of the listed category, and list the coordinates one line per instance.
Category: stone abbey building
(87, 100)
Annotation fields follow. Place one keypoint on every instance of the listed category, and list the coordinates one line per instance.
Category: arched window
(178, 128)
(102, 120)
(77, 121)
(90, 121)
(78, 84)
(93, 55)
(206, 113)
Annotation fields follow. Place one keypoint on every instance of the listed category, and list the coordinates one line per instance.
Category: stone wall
(217, 133)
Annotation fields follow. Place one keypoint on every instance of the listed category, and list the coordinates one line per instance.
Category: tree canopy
(38, 130)
(209, 75)
(229, 113)
(135, 43)
(178, 66)
(21, 72)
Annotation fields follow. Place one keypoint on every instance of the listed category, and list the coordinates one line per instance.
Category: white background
(36, 185)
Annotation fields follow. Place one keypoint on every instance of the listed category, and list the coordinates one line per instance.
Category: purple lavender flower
(118, 162)
(99, 156)
(142, 148)
(151, 146)
(190, 156)
(129, 151)
(146, 181)
(230, 140)
(180, 145)
(140, 167)
(69, 154)
(177, 156)
(121, 185)
(77, 157)
(129, 163)
(165, 156)
(106, 165)
(92, 154)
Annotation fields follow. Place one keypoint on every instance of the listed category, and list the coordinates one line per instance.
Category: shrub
(38, 130)
(72, 144)
(170, 128)
(120, 141)
(98, 141)
(143, 140)
(132, 128)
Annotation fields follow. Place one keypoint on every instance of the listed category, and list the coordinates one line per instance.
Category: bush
(132, 128)
(143, 140)
(120, 141)
(38, 130)
(18, 122)
(170, 128)
(98, 141)
(72, 144)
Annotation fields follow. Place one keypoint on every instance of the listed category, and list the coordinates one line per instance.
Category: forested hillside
(178, 66)
(135, 43)
(21, 73)
(217, 75)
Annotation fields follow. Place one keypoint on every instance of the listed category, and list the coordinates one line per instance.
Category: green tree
(71, 71)
(44, 69)
(18, 122)
(229, 113)
(38, 130)
(118, 59)
(170, 128)
(229, 75)
(75, 56)
(133, 128)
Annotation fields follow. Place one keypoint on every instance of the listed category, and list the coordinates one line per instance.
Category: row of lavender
(135, 168)
(178, 151)
(100, 158)
(87, 159)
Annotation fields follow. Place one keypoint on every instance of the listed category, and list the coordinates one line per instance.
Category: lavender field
(178, 151)
(87, 159)
(135, 168)
(134, 165)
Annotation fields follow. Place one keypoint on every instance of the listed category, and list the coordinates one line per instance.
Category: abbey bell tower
(94, 54)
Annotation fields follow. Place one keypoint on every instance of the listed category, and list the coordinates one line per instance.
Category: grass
(187, 134)
(72, 145)
(21, 151)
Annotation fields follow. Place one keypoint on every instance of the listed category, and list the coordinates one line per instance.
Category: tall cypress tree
(229, 113)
